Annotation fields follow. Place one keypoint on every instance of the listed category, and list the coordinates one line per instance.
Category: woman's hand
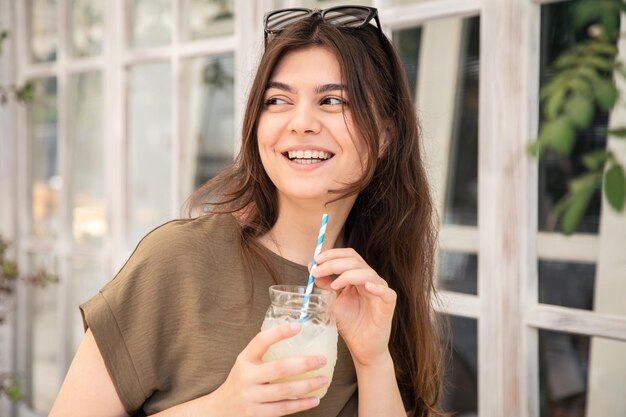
(365, 303)
(247, 390)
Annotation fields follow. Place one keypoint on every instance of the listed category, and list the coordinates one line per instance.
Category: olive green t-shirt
(173, 320)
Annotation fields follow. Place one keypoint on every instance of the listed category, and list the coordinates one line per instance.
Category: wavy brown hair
(391, 224)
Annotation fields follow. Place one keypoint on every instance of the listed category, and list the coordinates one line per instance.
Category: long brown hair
(391, 224)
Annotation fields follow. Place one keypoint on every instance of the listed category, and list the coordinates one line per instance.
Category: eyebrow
(318, 90)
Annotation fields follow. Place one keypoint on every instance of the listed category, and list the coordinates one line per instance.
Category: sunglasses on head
(354, 17)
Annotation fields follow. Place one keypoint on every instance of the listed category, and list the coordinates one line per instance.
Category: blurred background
(134, 103)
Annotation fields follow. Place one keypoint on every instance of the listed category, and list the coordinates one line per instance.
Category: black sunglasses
(353, 17)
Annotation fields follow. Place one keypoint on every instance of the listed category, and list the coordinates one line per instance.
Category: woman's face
(306, 144)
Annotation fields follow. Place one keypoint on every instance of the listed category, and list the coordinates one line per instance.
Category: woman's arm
(364, 310)
(88, 389)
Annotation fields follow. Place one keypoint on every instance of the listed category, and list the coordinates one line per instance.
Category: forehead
(313, 65)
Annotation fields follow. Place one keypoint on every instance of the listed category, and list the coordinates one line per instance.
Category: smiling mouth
(308, 156)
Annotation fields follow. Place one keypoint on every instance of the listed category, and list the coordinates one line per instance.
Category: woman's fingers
(263, 340)
(356, 277)
(292, 389)
(275, 370)
(283, 408)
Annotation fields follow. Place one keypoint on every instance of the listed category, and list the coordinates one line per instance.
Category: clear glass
(42, 30)
(86, 276)
(150, 23)
(419, 46)
(290, 303)
(86, 27)
(86, 182)
(208, 112)
(567, 284)
(207, 18)
(149, 166)
(45, 183)
(460, 394)
(581, 375)
(458, 271)
(44, 334)
(555, 171)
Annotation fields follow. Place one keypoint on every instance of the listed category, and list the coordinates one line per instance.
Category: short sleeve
(137, 317)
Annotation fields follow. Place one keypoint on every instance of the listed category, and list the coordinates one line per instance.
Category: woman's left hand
(365, 303)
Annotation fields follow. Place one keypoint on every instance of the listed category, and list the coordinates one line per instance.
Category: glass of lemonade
(319, 330)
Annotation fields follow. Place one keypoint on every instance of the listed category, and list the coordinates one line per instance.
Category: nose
(304, 120)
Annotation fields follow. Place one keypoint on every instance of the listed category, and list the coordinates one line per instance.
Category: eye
(333, 101)
(275, 101)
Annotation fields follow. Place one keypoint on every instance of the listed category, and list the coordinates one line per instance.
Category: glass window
(87, 155)
(150, 23)
(458, 272)
(567, 284)
(581, 375)
(86, 27)
(208, 118)
(86, 277)
(450, 111)
(556, 170)
(44, 336)
(42, 30)
(45, 182)
(460, 395)
(149, 148)
(207, 18)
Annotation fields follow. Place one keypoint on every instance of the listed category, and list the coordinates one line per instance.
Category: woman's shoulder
(185, 235)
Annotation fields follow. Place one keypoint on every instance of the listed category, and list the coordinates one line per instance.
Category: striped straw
(318, 249)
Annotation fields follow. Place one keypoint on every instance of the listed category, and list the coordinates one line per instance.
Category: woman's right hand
(247, 390)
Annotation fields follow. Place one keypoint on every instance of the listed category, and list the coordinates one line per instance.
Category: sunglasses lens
(347, 16)
(279, 20)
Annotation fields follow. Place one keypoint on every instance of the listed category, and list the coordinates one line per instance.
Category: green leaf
(580, 86)
(535, 148)
(14, 393)
(596, 159)
(558, 134)
(564, 61)
(25, 93)
(615, 186)
(574, 211)
(619, 132)
(602, 47)
(583, 13)
(554, 103)
(579, 109)
(610, 22)
(589, 73)
(605, 93)
(599, 63)
(9, 269)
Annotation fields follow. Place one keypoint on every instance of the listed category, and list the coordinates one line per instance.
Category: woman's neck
(294, 236)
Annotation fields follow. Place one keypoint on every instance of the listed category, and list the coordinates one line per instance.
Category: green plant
(583, 78)
(22, 93)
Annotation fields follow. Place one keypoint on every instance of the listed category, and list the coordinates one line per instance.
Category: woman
(329, 128)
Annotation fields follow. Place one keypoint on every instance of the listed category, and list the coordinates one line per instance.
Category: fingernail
(334, 285)
(294, 326)
(322, 360)
(315, 400)
(322, 380)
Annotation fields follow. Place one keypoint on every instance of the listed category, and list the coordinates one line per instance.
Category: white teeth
(308, 154)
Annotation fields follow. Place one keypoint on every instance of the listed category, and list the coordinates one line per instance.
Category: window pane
(461, 371)
(86, 278)
(567, 284)
(581, 376)
(87, 156)
(555, 171)
(458, 272)
(86, 27)
(150, 23)
(45, 342)
(42, 30)
(208, 127)
(43, 176)
(149, 148)
(447, 101)
(206, 18)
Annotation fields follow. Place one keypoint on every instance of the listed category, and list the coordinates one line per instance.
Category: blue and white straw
(318, 249)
